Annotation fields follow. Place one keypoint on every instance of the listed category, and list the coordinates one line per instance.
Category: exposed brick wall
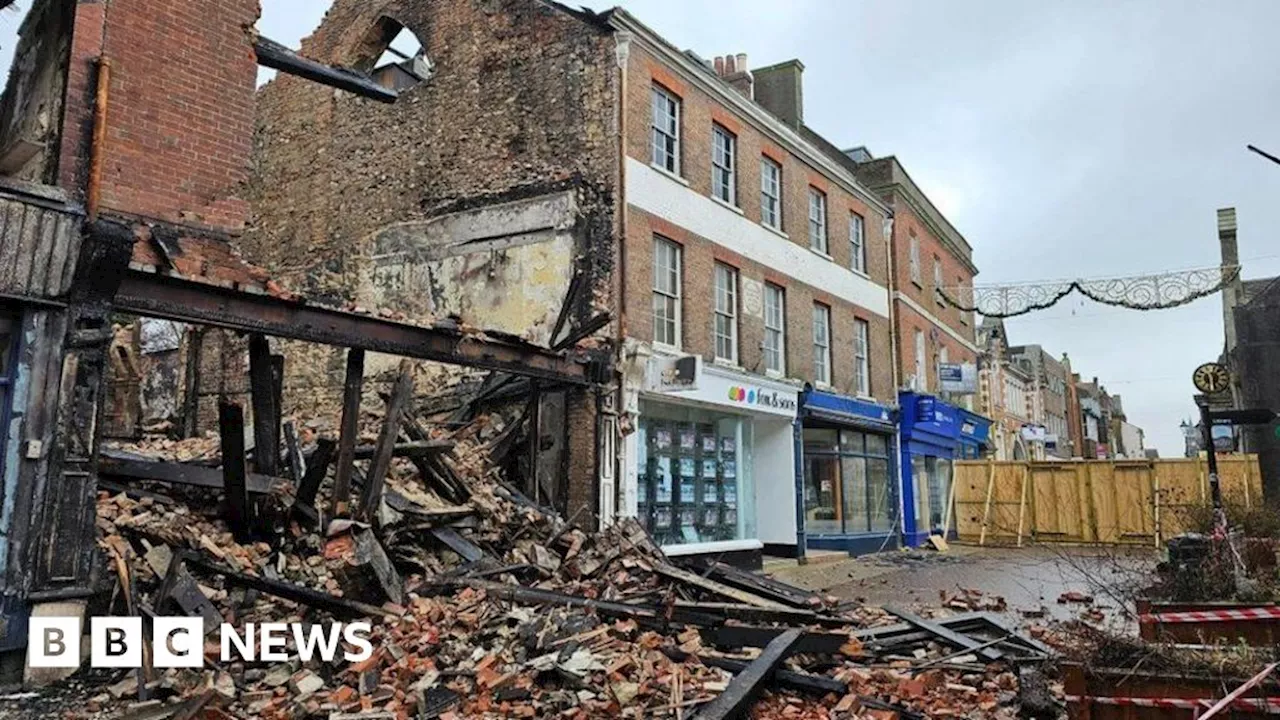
(180, 112)
(909, 321)
(699, 110)
(907, 224)
(522, 102)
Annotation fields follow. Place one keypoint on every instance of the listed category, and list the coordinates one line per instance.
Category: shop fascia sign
(1034, 433)
(958, 378)
(760, 397)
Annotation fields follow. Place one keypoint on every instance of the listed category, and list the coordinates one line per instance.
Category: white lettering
(358, 634)
(308, 643)
(271, 642)
(245, 644)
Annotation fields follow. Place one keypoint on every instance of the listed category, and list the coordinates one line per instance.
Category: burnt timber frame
(169, 298)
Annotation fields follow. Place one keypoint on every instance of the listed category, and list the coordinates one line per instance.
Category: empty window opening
(395, 57)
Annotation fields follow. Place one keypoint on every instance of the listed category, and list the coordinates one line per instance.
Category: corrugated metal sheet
(39, 244)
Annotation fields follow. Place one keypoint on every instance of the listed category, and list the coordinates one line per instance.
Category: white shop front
(711, 465)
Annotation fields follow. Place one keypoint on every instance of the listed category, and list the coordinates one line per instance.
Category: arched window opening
(399, 60)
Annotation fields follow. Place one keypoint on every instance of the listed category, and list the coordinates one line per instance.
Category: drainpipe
(622, 53)
(93, 194)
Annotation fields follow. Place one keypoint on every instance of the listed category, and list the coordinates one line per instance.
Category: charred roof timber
(278, 57)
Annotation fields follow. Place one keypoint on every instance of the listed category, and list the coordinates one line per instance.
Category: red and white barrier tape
(1267, 612)
(1270, 705)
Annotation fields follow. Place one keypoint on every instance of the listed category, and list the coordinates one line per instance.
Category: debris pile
(484, 604)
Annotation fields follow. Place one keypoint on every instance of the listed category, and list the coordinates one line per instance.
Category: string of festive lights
(1137, 292)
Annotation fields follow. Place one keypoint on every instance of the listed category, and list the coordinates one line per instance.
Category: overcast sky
(1063, 139)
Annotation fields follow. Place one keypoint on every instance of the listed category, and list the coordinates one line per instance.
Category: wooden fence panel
(1125, 501)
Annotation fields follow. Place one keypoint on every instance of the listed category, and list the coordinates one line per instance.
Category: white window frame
(775, 328)
(821, 344)
(664, 130)
(770, 193)
(818, 221)
(857, 242)
(944, 358)
(964, 316)
(724, 164)
(862, 357)
(667, 261)
(922, 377)
(724, 329)
(914, 260)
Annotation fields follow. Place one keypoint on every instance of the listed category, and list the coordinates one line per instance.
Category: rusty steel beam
(169, 298)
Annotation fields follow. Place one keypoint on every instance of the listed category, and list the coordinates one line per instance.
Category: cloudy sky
(1082, 138)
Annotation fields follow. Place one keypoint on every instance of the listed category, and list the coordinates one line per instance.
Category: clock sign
(1211, 378)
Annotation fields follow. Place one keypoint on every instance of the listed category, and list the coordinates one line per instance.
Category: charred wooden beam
(406, 450)
(316, 469)
(740, 636)
(179, 474)
(297, 463)
(171, 298)
(696, 580)
(191, 378)
(273, 55)
(266, 415)
(371, 495)
(737, 699)
(342, 607)
(801, 682)
(352, 389)
(235, 472)
(466, 549)
(947, 635)
(757, 584)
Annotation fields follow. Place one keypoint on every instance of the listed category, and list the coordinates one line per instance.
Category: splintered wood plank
(351, 390)
(371, 495)
(737, 699)
(235, 473)
(696, 580)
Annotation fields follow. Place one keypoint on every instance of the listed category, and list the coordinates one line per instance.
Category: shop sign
(958, 378)
(748, 395)
(930, 410)
(1034, 433)
(1051, 441)
(675, 374)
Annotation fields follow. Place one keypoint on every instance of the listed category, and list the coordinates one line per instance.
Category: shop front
(708, 453)
(934, 434)
(975, 433)
(846, 479)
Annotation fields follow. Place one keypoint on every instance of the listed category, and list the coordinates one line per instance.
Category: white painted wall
(773, 464)
(662, 195)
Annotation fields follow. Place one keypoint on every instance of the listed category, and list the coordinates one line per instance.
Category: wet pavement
(1030, 580)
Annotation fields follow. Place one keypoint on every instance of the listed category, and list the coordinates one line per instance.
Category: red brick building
(930, 257)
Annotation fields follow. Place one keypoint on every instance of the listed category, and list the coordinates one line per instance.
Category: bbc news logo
(178, 642)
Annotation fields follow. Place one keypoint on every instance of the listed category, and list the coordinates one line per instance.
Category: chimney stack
(780, 90)
(1233, 292)
(733, 70)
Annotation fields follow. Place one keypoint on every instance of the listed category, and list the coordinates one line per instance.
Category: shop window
(848, 488)
(932, 478)
(694, 475)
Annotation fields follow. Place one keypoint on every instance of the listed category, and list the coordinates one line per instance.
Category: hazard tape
(1270, 705)
(1269, 612)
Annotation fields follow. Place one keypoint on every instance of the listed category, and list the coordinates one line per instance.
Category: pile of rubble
(484, 604)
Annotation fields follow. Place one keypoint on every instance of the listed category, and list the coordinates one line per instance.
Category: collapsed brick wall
(521, 104)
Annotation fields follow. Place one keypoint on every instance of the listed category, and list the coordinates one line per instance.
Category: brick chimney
(1232, 294)
(733, 70)
(780, 89)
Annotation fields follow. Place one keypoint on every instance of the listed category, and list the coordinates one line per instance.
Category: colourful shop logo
(739, 394)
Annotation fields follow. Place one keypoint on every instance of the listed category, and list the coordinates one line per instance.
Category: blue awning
(845, 410)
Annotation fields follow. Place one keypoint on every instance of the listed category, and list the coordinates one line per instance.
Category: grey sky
(1064, 139)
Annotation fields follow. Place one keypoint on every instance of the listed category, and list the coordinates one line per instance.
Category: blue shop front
(846, 478)
(934, 434)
